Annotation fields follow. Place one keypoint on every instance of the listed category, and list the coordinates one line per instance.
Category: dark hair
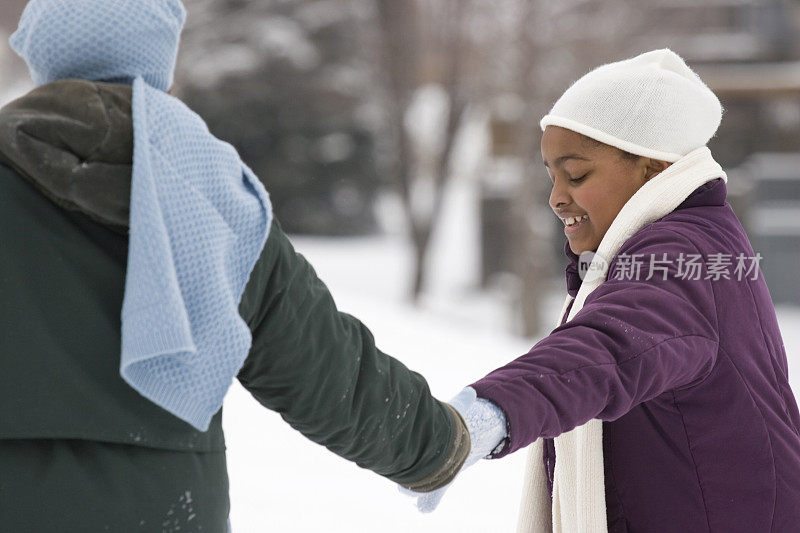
(588, 141)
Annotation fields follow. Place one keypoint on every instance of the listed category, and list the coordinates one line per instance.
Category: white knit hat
(651, 105)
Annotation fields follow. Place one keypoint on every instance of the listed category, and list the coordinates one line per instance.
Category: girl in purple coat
(661, 402)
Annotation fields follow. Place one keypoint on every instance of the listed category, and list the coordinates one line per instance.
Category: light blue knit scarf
(199, 217)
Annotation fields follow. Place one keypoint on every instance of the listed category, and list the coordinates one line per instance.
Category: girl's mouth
(573, 225)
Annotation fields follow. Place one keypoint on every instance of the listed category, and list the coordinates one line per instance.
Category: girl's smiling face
(591, 183)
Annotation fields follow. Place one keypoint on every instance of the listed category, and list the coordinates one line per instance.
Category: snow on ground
(282, 482)
(13, 91)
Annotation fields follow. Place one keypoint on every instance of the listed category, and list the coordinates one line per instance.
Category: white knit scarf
(578, 503)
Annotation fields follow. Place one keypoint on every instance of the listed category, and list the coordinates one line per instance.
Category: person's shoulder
(668, 236)
(5, 164)
(7, 169)
(700, 228)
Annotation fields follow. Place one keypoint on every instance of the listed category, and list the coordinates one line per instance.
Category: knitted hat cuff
(653, 105)
(603, 137)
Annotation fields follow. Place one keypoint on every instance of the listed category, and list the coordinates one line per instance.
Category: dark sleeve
(320, 369)
(633, 340)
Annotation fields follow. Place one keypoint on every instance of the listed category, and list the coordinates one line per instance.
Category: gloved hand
(486, 424)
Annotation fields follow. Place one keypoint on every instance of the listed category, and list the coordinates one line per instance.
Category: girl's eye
(578, 180)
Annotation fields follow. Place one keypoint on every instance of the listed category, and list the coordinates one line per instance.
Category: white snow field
(284, 483)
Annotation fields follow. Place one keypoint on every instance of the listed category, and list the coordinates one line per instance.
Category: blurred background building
(363, 116)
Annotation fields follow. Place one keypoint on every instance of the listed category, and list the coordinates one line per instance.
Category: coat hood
(73, 140)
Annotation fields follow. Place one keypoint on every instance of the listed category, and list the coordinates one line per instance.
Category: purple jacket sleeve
(632, 340)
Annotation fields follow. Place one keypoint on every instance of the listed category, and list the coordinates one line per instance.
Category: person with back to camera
(661, 402)
(141, 271)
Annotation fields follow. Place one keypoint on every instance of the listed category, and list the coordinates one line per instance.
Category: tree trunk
(421, 247)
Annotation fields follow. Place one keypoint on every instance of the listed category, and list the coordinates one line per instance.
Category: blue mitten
(486, 424)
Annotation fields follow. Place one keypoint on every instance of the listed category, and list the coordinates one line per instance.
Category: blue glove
(486, 424)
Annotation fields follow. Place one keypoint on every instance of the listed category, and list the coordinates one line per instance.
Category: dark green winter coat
(82, 451)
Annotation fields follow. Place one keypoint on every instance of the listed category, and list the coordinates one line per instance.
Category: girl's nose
(558, 196)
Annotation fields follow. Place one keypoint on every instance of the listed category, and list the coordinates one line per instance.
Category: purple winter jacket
(701, 429)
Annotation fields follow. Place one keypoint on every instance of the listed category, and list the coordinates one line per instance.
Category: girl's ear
(654, 167)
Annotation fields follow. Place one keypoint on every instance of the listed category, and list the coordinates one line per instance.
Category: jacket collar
(712, 193)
